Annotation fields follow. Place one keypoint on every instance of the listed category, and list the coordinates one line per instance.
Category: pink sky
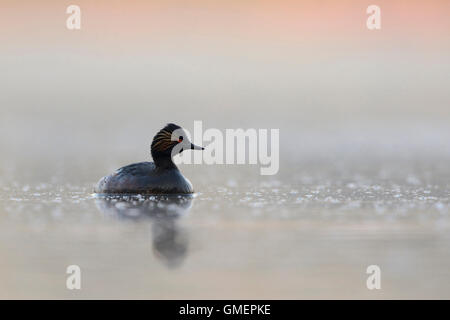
(133, 22)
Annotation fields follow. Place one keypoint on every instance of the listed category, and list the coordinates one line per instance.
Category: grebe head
(168, 142)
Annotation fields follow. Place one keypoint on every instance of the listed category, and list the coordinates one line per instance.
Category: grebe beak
(194, 147)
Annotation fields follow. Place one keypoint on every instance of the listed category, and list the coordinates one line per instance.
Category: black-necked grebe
(159, 177)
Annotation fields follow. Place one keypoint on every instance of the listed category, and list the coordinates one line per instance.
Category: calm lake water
(308, 232)
(364, 175)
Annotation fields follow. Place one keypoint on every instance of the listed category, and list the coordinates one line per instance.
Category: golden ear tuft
(163, 141)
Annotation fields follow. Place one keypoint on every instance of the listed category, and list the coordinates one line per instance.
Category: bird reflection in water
(169, 241)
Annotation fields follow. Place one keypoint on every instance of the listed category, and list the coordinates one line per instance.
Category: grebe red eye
(180, 138)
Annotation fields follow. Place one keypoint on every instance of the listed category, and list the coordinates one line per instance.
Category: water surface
(308, 234)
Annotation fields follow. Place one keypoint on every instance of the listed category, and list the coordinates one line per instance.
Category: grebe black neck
(168, 142)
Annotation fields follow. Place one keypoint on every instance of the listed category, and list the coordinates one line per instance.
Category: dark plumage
(159, 177)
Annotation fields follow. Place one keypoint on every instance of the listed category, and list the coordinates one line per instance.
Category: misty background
(364, 147)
